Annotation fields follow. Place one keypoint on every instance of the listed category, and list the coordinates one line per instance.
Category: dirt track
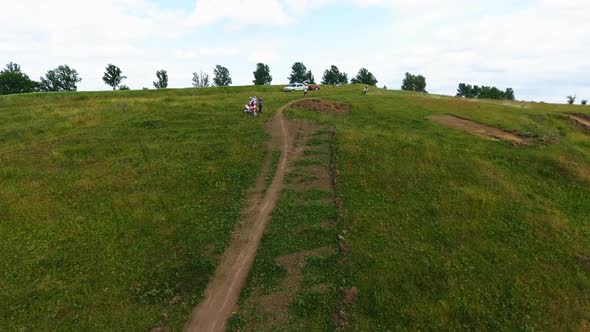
(582, 120)
(478, 129)
(224, 289)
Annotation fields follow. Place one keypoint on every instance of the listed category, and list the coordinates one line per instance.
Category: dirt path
(582, 120)
(224, 289)
(478, 129)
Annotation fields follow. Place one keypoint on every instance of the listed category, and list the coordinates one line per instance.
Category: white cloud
(538, 46)
(241, 12)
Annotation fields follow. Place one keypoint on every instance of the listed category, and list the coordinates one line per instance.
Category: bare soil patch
(322, 106)
(581, 119)
(306, 171)
(274, 306)
(480, 129)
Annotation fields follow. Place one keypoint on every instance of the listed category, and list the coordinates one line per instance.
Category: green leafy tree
(63, 78)
(221, 76)
(309, 78)
(365, 77)
(200, 80)
(509, 94)
(584, 101)
(414, 83)
(162, 82)
(466, 90)
(124, 88)
(484, 92)
(571, 100)
(298, 73)
(13, 80)
(262, 75)
(333, 76)
(113, 76)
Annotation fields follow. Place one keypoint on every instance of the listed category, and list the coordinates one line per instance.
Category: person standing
(365, 90)
(305, 89)
(260, 101)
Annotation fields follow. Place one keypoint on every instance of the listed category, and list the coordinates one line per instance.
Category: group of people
(254, 106)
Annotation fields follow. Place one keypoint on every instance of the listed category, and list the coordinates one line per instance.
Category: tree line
(64, 78)
(484, 92)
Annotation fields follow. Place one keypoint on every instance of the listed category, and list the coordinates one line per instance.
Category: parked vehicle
(300, 87)
(294, 87)
(313, 87)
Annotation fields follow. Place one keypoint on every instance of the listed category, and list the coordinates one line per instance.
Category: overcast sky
(541, 48)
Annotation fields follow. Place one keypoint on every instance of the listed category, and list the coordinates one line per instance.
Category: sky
(540, 48)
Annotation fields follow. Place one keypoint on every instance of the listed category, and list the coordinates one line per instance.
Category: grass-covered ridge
(114, 207)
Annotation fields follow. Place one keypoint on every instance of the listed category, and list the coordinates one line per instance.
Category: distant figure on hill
(365, 90)
(305, 91)
(260, 101)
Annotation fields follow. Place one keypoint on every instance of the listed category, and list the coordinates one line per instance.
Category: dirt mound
(322, 106)
(479, 129)
(581, 119)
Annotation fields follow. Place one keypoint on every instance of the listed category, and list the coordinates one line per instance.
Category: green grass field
(115, 206)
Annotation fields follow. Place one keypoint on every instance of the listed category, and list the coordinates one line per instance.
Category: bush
(584, 102)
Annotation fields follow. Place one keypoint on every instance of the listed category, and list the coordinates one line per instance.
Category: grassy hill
(115, 207)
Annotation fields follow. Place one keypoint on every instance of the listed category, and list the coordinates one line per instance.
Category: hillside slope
(115, 208)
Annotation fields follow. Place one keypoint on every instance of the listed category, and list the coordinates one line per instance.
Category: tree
(584, 101)
(571, 100)
(510, 94)
(124, 87)
(222, 77)
(333, 76)
(63, 78)
(113, 76)
(262, 75)
(162, 82)
(12, 81)
(364, 77)
(309, 78)
(200, 80)
(484, 92)
(298, 73)
(466, 90)
(414, 83)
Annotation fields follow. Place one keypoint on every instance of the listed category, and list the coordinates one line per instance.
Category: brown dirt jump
(321, 106)
(222, 293)
(581, 119)
(479, 129)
